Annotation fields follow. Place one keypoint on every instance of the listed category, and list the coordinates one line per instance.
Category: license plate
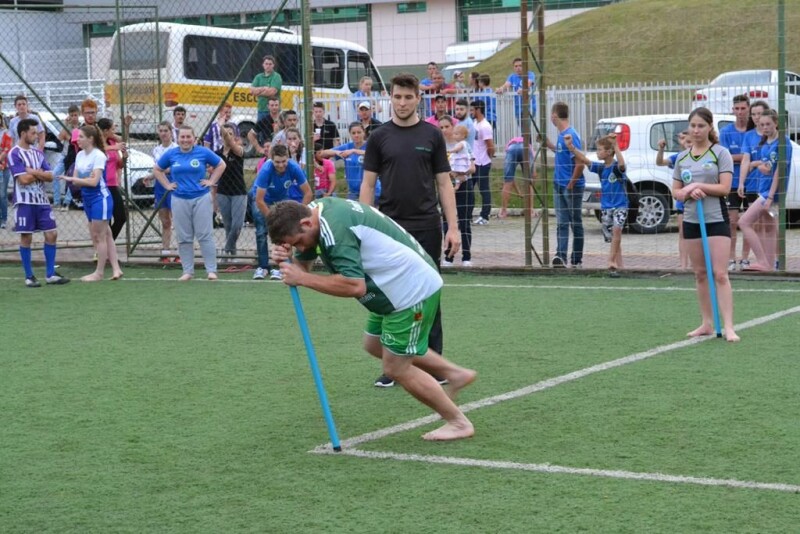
(587, 195)
(135, 108)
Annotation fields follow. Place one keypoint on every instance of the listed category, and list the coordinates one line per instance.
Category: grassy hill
(660, 40)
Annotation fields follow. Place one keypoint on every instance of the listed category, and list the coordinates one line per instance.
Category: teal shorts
(405, 332)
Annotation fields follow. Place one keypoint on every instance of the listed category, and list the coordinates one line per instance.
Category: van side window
(358, 65)
(668, 131)
(219, 59)
(328, 67)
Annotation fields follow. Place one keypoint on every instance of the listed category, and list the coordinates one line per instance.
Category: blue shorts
(98, 207)
(32, 218)
(159, 191)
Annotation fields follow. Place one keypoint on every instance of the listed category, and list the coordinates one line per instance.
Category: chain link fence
(144, 63)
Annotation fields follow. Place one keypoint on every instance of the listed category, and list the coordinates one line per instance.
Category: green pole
(307, 67)
(782, 134)
(525, 122)
(545, 220)
(160, 95)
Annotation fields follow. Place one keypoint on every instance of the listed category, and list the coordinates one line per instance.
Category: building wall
(412, 38)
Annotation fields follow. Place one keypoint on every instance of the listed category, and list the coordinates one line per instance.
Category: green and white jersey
(358, 241)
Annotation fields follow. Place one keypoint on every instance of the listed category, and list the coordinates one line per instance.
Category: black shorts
(692, 230)
(751, 197)
(737, 203)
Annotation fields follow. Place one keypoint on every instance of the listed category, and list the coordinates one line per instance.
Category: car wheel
(599, 215)
(653, 214)
(247, 146)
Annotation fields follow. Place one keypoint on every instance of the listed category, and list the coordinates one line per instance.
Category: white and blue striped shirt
(20, 159)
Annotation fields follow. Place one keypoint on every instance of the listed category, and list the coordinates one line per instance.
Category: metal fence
(116, 74)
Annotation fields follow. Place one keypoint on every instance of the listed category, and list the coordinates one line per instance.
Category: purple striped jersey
(18, 160)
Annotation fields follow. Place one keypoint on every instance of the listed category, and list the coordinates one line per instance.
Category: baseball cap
(364, 105)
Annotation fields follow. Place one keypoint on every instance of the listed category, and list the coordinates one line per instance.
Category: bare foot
(451, 431)
(94, 277)
(502, 214)
(117, 276)
(212, 276)
(459, 381)
(185, 278)
(702, 330)
(757, 267)
(731, 336)
(534, 214)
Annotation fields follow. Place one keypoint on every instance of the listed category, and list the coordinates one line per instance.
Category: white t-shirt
(483, 132)
(86, 163)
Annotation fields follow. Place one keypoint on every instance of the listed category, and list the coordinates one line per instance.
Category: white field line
(348, 445)
(201, 278)
(557, 469)
(551, 382)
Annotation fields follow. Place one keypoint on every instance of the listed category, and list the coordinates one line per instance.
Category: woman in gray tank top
(705, 171)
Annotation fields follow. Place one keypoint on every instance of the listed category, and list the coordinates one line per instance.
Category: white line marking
(552, 382)
(558, 469)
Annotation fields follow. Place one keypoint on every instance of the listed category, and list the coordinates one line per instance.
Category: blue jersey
(187, 169)
(769, 154)
(612, 185)
(280, 186)
(490, 100)
(516, 84)
(672, 159)
(565, 161)
(733, 140)
(750, 146)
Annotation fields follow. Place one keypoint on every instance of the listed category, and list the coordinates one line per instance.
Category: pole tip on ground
(337, 449)
(719, 335)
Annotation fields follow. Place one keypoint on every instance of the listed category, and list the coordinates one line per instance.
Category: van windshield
(139, 51)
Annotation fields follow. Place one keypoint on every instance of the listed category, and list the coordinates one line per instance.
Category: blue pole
(712, 285)
(312, 360)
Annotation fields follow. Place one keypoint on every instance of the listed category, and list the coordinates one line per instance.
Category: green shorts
(405, 333)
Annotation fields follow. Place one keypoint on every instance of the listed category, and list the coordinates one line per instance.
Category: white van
(195, 66)
(474, 51)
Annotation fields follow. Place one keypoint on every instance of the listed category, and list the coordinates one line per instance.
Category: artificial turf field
(147, 405)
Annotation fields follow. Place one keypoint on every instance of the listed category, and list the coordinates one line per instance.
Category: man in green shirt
(266, 85)
(373, 259)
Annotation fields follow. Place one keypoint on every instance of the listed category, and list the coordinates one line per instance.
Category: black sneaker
(559, 263)
(384, 381)
(32, 282)
(442, 381)
(56, 280)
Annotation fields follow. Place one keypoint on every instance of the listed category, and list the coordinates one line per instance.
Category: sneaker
(606, 233)
(442, 381)
(446, 263)
(3, 225)
(260, 274)
(32, 282)
(577, 265)
(165, 260)
(466, 263)
(559, 263)
(384, 381)
(731, 265)
(744, 264)
(480, 221)
(57, 280)
(275, 274)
